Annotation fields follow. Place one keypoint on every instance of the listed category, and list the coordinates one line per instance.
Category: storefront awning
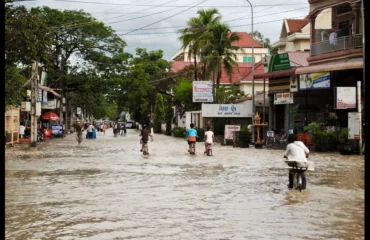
(276, 74)
(330, 67)
(44, 88)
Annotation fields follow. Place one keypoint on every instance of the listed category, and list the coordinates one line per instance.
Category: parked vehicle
(130, 124)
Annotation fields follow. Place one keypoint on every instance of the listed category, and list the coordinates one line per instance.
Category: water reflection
(106, 189)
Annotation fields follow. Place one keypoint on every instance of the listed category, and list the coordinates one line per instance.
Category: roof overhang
(331, 67)
(276, 74)
(298, 36)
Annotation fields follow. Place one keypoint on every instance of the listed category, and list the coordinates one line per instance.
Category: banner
(39, 95)
(228, 110)
(283, 98)
(354, 125)
(345, 97)
(44, 97)
(230, 129)
(203, 91)
(314, 81)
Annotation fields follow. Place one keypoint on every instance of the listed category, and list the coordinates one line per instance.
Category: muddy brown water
(106, 189)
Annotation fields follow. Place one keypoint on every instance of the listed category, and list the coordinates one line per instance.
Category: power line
(165, 18)
(185, 6)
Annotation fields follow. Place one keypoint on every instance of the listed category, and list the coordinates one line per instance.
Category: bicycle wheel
(270, 142)
(295, 180)
(299, 180)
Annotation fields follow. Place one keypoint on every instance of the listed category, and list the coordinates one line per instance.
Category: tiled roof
(295, 25)
(298, 58)
(246, 41)
(243, 73)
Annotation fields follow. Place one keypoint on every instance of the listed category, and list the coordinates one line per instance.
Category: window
(248, 59)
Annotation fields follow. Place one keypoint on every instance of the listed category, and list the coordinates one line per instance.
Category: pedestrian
(104, 127)
(22, 129)
(209, 138)
(123, 129)
(90, 131)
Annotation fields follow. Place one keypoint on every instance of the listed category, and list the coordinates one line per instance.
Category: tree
(194, 36)
(220, 51)
(159, 113)
(265, 42)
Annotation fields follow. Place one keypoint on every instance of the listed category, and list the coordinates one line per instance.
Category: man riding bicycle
(145, 133)
(296, 151)
(191, 135)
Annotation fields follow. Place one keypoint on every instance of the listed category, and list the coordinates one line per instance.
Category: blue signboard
(57, 129)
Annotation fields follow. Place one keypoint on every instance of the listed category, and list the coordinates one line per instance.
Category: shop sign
(39, 95)
(228, 110)
(230, 129)
(270, 134)
(354, 125)
(43, 79)
(79, 111)
(279, 62)
(283, 98)
(203, 91)
(51, 104)
(311, 81)
(25, 106)
(345, 97)
(57, 129)
(293, 84)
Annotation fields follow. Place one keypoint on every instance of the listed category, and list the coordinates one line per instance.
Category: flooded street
(106, 189)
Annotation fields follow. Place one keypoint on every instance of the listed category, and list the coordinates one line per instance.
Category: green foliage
(229, 95)
(200, 132)
(159, 114)
(265, 42)
(244, 137)
(14, 90)
(343, 137)
(179, 132)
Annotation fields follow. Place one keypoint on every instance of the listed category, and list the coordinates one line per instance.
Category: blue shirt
(191, 133)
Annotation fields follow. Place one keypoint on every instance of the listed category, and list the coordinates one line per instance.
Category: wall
(258, 86)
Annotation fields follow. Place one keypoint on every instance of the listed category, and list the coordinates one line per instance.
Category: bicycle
(277, 140)
(298, 172)
(208, 149)
(192, 148)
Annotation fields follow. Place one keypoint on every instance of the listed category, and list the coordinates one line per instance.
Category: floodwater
(106, 189)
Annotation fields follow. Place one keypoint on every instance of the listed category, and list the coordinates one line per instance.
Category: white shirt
(296, 151)
(21, 129)
(208, 136)
(90, 128)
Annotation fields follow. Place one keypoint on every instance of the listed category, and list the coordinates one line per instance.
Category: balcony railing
(337, 44)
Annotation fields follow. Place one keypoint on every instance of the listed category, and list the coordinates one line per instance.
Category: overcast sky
(153, 24)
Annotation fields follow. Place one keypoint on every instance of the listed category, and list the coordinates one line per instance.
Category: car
(130, 124)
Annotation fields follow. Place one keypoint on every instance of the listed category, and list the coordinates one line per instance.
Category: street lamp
(253, 104)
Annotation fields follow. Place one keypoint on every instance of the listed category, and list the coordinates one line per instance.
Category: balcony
(337, 44)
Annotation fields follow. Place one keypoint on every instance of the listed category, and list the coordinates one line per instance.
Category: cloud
(267, 18)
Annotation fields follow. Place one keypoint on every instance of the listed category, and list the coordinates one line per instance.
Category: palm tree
(220, 52)
(193, 36)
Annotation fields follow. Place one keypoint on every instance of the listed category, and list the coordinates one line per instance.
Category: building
(242, 75)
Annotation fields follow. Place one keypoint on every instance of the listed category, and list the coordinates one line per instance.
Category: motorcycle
(40, 136)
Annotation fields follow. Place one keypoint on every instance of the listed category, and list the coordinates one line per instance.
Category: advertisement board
(44, 97)
(311, 81)
(283, 98)
(203, 91)
(51, 104)
(279, 62)
(345, 97)
(229, 131)
(228, 110)
(354, 125)
(25, 106)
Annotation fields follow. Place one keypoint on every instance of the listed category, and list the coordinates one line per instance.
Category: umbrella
(50, 116)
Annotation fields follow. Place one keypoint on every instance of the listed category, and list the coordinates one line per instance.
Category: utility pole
(34, 91)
